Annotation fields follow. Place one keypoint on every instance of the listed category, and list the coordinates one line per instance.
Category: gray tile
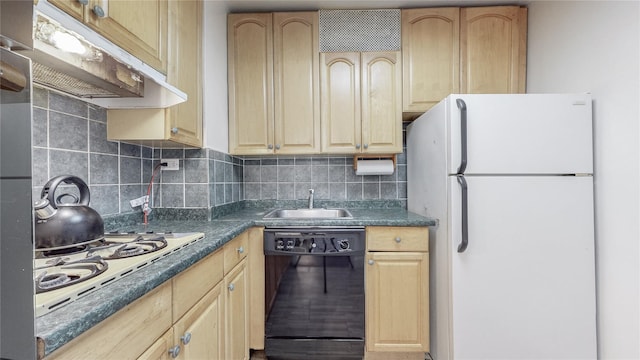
(251, 162)
(98, 139)
(172, 195)
(68, 105)
(196, 195)
(147, 152)
(370, 178)
(228, 158)
(285, 161)
(39, 130)
(130, 150)
(337, 191)
(302, 190)
(228, 193)
(388, 190)
(148, 166)
(402, 172)
(105, 199)
(228, 173)
(219, 155)
(130, 170)
(402, 190)
(354, 191)
(337, 161)
(269, 191)
(130, 192)
(212, 174)
(241, 190)
(389, 178)
(219, 194)
(39, 166)
(268, 173)
(269, 161)
(40, 97)
(173, 153)
(321, 190)
(97, 113)
(252, 173)
(195, 153)
(337, 173)
(303, 173)
(104, 169)
(320, 161)
(286, 173)
(238, 174)
(286, 191)
(235, 191)
(320, 173)
(371, 191)
(212, 194)
(173, 176)
(68, 163)
(252, 191)
(67, 132)
(219, 171)
(196, 171)
(401, 158)
(351, 176)
(303, 161)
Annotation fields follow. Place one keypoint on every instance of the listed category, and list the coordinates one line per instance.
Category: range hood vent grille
(57, 80)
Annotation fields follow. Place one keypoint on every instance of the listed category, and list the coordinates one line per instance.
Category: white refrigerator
(510, 180)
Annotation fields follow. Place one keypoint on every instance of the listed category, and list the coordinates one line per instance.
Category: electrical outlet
(172, 164)
(139, 201)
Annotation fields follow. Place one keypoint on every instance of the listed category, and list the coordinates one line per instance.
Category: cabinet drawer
(235, 250)
(192, 284)
(389, 238)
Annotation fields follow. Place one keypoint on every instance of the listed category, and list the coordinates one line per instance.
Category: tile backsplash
(70, 137)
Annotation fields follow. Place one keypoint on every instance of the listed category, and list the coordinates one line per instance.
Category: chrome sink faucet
(310, 198)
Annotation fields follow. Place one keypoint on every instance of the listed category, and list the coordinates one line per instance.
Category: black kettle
(65, 225)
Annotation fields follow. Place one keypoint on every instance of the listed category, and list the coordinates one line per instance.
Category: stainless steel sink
(318, 213)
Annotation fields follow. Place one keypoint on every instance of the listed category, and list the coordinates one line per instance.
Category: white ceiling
(295, 5)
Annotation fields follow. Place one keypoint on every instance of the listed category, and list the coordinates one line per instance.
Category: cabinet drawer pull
(240, 250)
(174, 351)
(186, 338)
(398, 239)
(231, 287)
(98, 11)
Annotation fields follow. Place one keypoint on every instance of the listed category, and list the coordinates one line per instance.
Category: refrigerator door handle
(465, 220)
(463, 135)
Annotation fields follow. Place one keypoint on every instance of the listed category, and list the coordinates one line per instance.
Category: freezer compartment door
(522, 134)
(525, 285)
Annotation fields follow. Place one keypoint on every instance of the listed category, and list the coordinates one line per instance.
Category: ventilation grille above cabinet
(359, 30)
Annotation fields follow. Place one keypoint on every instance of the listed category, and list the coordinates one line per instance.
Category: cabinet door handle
(270, 146)
(366, 146)
(398, 239)
(357, 146)
(174, 351)
(231, 287)
(98, 11)
(174, 130)
(277, 146)
(186, 338)
(240, 250)
(371, 262)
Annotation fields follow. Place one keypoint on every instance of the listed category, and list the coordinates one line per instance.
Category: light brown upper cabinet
(493, 49)
(361, 102)
(462, 50)
(179, 125)
(139, 27)
(273, 83)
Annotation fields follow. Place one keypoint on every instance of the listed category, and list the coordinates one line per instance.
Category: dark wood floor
(303, 309)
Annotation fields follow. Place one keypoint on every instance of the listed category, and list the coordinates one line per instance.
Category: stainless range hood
(70, 58)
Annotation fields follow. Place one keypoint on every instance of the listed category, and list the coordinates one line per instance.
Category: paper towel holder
(393, 158)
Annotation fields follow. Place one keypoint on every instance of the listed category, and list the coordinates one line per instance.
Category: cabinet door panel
(140, 27)
(250, 66)
(236, 325)
(184, 71)
(430, 55)
(296, 86)
(341, 120)
(493, 49)
(397, 301)
(381, 102)
(203, 325)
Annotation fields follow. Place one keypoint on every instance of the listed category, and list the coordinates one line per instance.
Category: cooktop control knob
(343, 244)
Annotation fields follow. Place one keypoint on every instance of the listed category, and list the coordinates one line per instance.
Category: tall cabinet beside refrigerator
(510, 179)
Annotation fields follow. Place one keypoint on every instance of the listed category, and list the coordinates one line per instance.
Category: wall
(70, 137)
(593, 46)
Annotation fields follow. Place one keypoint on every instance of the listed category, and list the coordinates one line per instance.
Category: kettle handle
(49, 189)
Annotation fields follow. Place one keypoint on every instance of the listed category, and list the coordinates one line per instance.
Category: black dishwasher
(314, 292)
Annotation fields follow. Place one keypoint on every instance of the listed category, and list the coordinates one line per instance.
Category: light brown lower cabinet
(236, 319)
(397, 292)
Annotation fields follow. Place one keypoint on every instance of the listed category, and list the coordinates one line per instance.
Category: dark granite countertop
(62, 325)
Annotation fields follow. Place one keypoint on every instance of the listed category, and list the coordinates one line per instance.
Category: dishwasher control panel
(315, 241)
